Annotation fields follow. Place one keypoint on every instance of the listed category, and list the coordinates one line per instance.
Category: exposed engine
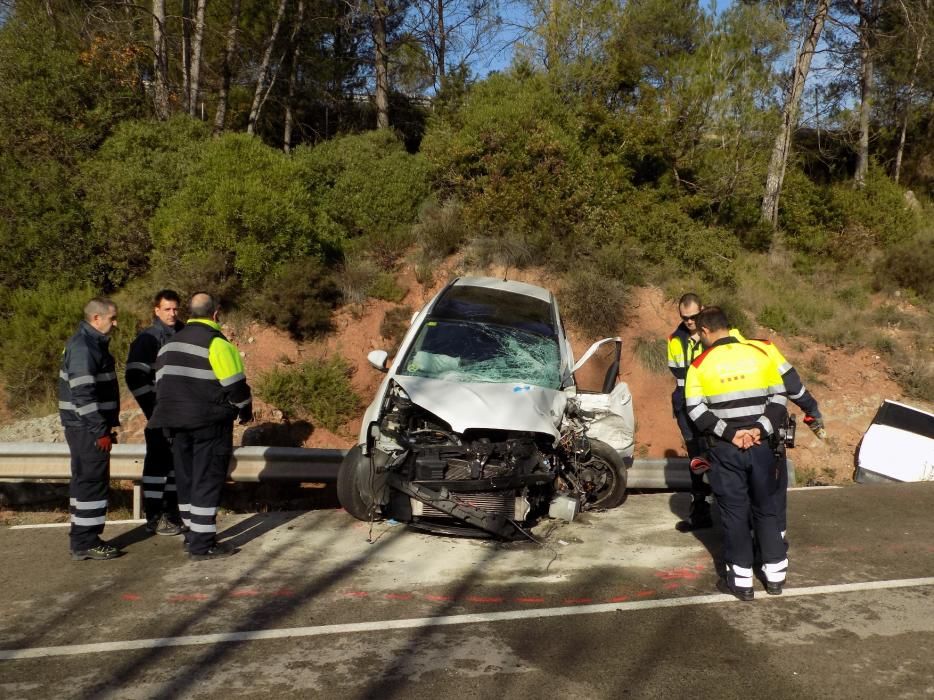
(496, 480)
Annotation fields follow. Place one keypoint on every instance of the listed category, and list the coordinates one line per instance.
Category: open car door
(602, 395)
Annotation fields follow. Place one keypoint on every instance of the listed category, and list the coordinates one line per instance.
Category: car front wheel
(353, 479)
(603, 477)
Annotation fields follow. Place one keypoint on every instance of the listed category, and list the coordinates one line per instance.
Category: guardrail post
(137, 500)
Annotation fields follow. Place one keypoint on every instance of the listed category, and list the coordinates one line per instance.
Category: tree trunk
(865, 91)
(779, 159)
(380, 13)
(295, 43)
(259, 96)
(919, 55)
(221, 115)
(160, 65)
(442, 45)
(186, 53)
(196, 45)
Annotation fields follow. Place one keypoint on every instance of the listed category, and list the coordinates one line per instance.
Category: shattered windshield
(462, 351)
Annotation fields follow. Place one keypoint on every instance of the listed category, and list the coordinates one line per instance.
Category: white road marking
(68, 524)
(443, 621)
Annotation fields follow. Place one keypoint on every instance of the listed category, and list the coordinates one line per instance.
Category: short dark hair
(168, 295)
(689, 298)
(202, 305)
(713, 319)
(98, 306)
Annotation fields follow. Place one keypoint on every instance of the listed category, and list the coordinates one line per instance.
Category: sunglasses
(690, 318)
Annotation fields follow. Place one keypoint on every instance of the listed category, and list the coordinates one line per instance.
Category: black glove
(246, 414)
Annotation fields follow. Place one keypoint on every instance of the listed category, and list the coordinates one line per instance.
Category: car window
(465, 351)
(496, 306)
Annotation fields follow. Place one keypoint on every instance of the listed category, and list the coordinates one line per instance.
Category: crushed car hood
(465, 406)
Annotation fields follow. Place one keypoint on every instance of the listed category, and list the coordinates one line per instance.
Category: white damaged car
(484, 422)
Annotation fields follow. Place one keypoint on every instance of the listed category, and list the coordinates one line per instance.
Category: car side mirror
(378, 358)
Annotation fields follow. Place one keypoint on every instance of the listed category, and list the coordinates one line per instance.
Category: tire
(350, 477)
(607, 472)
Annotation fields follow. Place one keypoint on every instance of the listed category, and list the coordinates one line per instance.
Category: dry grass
(652, 353)
(837, 310)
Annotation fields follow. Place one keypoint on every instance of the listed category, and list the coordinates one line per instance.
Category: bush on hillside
(298, 297)
(366, 184)
(200, 271)
(833, 221)
(736, 315)
(652, 354)
(246, 201)
(877, 211)
(672, 241)
(512, 155)
(33, 338)
(384, 286)
(395, 323)
(440, 229)
(909, 265)
(139, 166)
(593, 302)
(320, 389)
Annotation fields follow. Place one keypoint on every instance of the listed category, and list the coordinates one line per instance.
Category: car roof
(501, 302)
(529, 290)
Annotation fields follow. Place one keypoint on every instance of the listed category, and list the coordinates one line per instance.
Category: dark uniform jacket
(88, 394)
(141, 363)
(200, 380)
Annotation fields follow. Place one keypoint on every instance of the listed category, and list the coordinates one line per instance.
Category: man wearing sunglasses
(684, 347)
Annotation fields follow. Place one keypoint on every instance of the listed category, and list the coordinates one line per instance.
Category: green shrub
(244, 200)
(139, 166)
(805, 215)
(394, 325)
(877, 211)
(737, 316)
(299, 297)
(915, 374)
(652, 354)
(367, 184)
(834, 221)
(883, 344)
(201, 271)
(34, 337)
(513, 157)
(440, 228)
(384, 286)
(910, 265)
(596, 304)
(776, 318)
(670, 239)
(320, 389)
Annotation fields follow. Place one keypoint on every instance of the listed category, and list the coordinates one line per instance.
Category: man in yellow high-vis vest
(737, 401)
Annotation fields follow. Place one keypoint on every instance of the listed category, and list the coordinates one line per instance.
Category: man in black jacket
(160, 497)
(201, 388)
(89, 408)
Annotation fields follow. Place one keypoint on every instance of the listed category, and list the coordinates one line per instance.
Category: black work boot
(698, 517)
(743, 594)
(218, 550)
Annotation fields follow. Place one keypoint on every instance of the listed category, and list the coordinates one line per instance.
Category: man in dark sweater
(160, 497)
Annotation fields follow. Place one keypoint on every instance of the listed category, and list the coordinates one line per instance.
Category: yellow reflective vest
(735, 385)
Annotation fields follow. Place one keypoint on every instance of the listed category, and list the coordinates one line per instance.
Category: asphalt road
(614, 605)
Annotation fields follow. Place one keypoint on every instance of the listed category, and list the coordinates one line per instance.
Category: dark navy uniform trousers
(745, 484)
(202, 456)
(88, 490)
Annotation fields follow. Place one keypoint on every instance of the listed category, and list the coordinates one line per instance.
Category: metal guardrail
(31, 461)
